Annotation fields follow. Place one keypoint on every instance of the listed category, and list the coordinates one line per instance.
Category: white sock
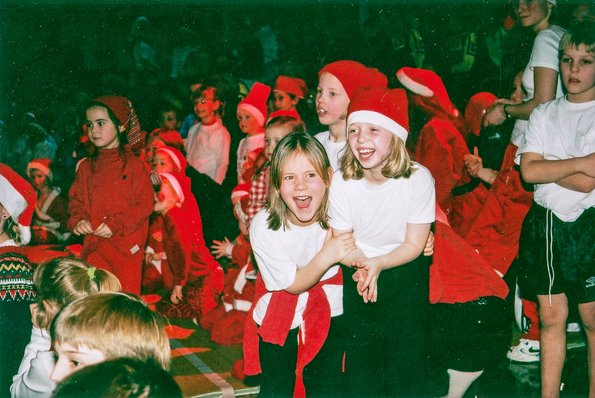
(459, 382)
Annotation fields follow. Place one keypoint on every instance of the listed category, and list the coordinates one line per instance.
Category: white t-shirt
(247, 145)
(334, 150)
(207, 149)
(561, 130)
(378, 214)
(280, 253)
(544, 54)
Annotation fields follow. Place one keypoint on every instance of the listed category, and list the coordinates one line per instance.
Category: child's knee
(587, 312)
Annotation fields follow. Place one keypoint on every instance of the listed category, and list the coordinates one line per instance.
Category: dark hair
(122, 137)
(120, 378)
(580, 33)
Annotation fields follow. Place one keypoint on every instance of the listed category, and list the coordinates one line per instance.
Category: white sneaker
(527, 351)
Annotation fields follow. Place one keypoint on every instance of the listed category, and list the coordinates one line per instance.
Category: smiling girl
(112, 196)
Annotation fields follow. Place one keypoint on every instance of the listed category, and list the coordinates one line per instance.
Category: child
(299, 287)
(106, 326)
(57, 283)
(389, 324)
(337, 82)
(112, 197)
(208, 142)
(169, 118)
(252, 115)
(288, 91)
(192, 274)
(120, 378)
(556, 248)
(51, 209)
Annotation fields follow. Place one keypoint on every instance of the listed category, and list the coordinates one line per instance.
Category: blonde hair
(117, 325)
(64, 279)
(399, 163)
(292, 145)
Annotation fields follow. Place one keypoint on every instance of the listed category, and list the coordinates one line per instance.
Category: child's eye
(89, 125)
(288, 178)
(318, 91)
(333, 94)
(100, 123)
(565, 60)
(587, 61)
(74, 363)
(311, 175)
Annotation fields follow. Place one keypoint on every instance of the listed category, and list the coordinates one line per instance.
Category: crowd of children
(361, 260)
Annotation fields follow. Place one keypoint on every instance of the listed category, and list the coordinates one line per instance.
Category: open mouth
(365, 153)
(303, 202)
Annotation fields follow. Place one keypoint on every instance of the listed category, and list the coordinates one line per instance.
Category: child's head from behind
(576, 61)
(105, 326)
(377, 128)
(119, 378)
(277, 128)
(169, 160)
(252, 110)
(207, 104)
(64, 279)
(300, 177)
(40, 174)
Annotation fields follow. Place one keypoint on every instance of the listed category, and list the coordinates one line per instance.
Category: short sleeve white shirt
(207, 149)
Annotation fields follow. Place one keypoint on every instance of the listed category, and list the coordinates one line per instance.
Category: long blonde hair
(291, 145)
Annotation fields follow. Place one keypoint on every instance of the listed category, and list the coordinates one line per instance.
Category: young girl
(288, 92)
(386, 328)
(299, 288)
(112, 197)
(106, 326)
(51, 209)
(57, 283)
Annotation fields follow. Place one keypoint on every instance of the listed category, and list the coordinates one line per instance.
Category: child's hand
(373, 269)
(220, 248)
(429, 249)
(103, 231)
(336, 247)
(473, 163)
(83, 227)
(176, 294)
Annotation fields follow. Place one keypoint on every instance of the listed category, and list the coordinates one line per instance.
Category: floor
(203, 369)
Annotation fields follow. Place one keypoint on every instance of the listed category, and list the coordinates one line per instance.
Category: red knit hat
(173, 180)
(43, 165)
(18, 197)
(429, 85)
(476, 107)
(176, 156)
(354, 75)
(256, 102)
(122, 108)
(284, 113)
(382, 107)
(291, 85)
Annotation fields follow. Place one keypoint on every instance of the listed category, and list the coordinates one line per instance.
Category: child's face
(578, 73)
(100, 129)
(162, 163)
(166, 199)
(38, 179)
(283, 101)
(531, 12)
(71, 359)
(248, 123)
(272, 136)
(331, 100)
(517, 89)
(206, 106)
(169, 120)
(370, 144)
(302, 189)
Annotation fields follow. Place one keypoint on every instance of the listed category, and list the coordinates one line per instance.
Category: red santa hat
(256, 102)
(122, 108)
(176, 156)
(173, 180)
(18, 197)
(43, 165)
(291, 85)
(382, 107)
(476, 107)
(354, 75)
(429, 85)
(284, 113)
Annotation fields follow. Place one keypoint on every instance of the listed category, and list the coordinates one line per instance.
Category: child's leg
(587, 311)
(278, 367)
(553, 341)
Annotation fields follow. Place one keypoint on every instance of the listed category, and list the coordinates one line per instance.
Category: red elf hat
(122, 108)
(291, 85)
(354, 75)
(18, 197)
(476, 107)
(256, 102)
(284, 113)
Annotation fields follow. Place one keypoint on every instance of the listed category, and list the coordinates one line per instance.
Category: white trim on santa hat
(414, 86)
(172, 155)
(175, 184)
(38, 166)
(15, 204)
(253, 111)
(380, 120)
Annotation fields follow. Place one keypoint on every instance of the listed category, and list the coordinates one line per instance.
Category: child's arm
(222, 146)
(537, 170)
(78, 204)
(416, 236)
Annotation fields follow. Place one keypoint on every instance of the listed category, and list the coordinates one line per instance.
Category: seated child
(51, 209)
(120, 378)
(105, 326)
(57, 282)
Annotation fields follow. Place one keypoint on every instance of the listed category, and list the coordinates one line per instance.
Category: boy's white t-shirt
(334, 150)
(280, 253)
(561, 130)
(543, 54)
(378, 214)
